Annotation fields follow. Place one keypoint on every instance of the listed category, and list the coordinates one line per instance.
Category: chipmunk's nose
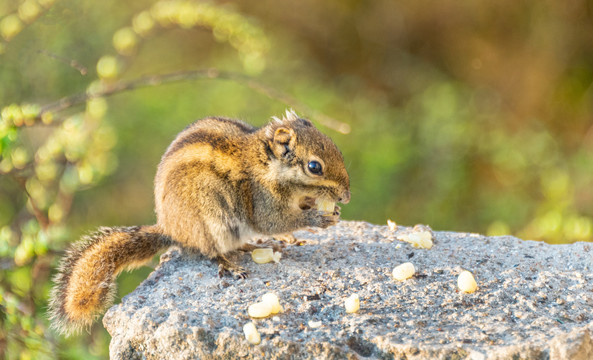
(345, 199)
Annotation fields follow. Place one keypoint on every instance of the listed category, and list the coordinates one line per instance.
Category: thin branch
(39, 215)
(72, 63)
(154, 80)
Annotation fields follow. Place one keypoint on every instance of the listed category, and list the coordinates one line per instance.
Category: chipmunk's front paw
(323, 219)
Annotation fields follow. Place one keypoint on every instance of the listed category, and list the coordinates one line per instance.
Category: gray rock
(534, 301)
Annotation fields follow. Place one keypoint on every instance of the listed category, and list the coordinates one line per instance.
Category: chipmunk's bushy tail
(85, 283)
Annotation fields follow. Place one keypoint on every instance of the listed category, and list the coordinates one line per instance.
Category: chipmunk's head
(308, 160)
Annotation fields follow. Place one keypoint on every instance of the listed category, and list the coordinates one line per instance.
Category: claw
(337, 210)
(225, 265)
(240, 275)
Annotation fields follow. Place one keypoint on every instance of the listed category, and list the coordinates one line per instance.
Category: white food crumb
(392, 225)
(314, 324)
(352, 304)
(272, 300)
(466, 282)
(259, 310)
(419, 239)
(262, 256)
(251, 333)
(404, 271)
(325, 205)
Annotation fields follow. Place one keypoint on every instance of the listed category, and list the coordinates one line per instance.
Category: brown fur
(85, 284)
(220, 183)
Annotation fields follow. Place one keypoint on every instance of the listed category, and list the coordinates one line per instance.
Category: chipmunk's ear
(283, 142)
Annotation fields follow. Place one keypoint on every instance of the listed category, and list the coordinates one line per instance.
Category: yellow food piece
(392, 225)
(314, 324)
(270, 304)
(259, 310)
(251, 333)
(404, 271)
(466, 282)
(325, 205)
(262, 256)
(352, 304)
(272, 300)
(419, 239)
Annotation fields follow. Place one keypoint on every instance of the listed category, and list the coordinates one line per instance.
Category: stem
(154, 80)
(39, 215)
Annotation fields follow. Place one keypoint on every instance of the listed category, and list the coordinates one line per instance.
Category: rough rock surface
(534, 301)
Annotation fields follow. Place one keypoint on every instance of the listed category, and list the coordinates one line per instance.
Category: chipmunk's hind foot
(225, 265)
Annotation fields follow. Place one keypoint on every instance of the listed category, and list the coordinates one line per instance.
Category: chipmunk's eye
(315, 167)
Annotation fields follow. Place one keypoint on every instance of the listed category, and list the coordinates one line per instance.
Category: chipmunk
(220, 183)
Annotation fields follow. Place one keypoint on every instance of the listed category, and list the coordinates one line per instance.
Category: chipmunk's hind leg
(225, 265)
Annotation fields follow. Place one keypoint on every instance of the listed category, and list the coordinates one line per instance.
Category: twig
(39, 215)
(154, 80)
(72, 63)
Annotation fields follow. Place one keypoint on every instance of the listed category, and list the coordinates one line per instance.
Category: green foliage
(50, 155)
(453, 121)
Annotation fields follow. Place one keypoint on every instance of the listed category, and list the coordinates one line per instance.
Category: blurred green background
(466, 116)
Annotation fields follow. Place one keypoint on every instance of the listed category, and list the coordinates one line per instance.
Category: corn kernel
(272, 300)
(251, 333)
(419, 239)
(466, 282)
(404, 271)
(352, 304)
(259, 310)
(392, 225)
(325, 205)
(314, 324)
(262, 256)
